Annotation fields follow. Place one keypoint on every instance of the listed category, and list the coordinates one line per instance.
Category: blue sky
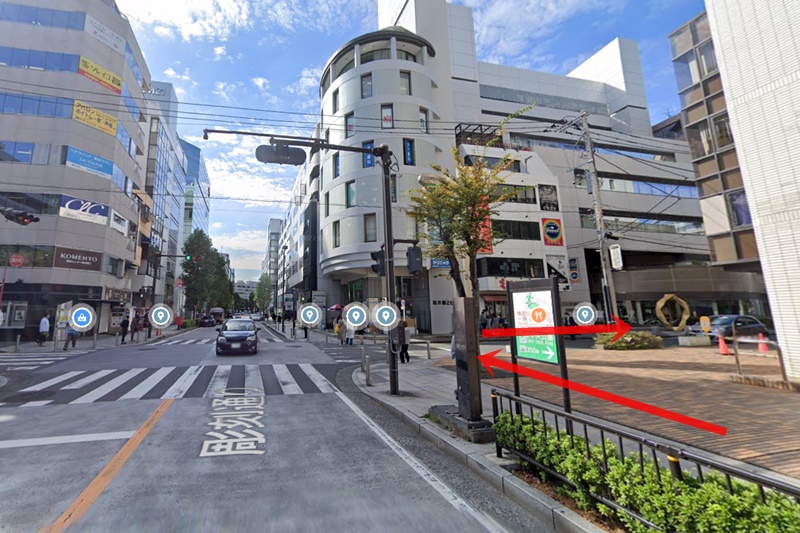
(255, 65)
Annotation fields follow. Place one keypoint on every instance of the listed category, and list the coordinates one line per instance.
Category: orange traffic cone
(723, 347)
(763, 347)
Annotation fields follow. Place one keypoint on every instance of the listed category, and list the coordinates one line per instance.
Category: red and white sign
(16, 260)
(179, 282)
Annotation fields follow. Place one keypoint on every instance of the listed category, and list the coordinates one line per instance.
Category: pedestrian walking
(340, 330)
(137, 327)
(349, 334)
(44, 329)
(72, 335)
(124, 326)
(569, 321)
(402, 340)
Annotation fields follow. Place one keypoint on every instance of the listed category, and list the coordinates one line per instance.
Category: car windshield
(723, 320)
(239, 325)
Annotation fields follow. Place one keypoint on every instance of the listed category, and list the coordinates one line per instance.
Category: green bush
(682, 505)
(633, 340)
(189, 323)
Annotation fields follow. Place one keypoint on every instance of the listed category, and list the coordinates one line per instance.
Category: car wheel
(219, 352)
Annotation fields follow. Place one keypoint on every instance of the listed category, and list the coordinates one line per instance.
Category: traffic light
(20, 217)
(414, 259)
(281, 154)
(193, 258)
(379, 267)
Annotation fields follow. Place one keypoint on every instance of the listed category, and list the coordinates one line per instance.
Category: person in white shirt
(44, 329)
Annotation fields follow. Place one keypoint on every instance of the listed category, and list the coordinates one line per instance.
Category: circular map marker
(161, 315)
(585, 314)
(82, 318)
(356, 315)
(385, 315)
(310, 315)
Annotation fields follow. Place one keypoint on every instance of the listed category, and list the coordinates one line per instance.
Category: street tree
(263, 292)
(197, 275)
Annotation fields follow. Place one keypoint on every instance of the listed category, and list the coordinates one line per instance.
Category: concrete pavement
(83, 343)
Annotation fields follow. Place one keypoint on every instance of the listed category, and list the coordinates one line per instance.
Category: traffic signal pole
(388, 235)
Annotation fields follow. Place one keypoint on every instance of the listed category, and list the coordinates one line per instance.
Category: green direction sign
(535, 310)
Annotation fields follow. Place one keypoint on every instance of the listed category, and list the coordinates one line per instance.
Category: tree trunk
(455, 273)
(476, 291)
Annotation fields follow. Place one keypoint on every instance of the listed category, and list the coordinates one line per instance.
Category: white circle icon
(161, 315)
(585, 314)
(310, 315)
(82, 318)
(355, 315)
(385, 315)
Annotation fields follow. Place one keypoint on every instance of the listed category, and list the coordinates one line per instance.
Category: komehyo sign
(78, 259)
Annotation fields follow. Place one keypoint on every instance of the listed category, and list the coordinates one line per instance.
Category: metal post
(363, 362)
(674, 467)
(369, 381)
(116, 339)
(94, 339)
(55, 338)
(429, 348)
(374, 336)
(386, 159)
(736, 348)
(16, 346)
(498, 449)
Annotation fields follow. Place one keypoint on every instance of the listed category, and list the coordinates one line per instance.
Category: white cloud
(243, 241)
(224, 90)
(191, 18)
(217, 225)
(307, 83)
(171, 73)
(219, 53)
(263, 91)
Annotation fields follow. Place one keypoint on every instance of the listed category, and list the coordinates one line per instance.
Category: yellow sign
(99, 75)
(705, 323)
(94, 118)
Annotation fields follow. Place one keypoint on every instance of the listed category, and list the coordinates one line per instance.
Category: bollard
(94, 339)
(362, 359)
(374, 337)
(369, 381)
(326, 337)
(497, 448)
(429, 348)
(16, 346)
(674, 467)
(116, 339)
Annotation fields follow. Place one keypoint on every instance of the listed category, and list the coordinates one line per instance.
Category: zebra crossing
(32, 361)
(263, 337)
(202, 381)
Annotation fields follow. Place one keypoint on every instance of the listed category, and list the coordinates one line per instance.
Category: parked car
(745, 325)
(207, 321)
(256, 317)
(695, 329)
(237, 335)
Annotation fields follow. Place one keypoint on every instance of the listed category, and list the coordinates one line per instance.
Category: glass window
(423, 120)
(740, 210)
(336, 235)
(10, 12)
(708, 60)
(700, 29)
(722, 130)
(6, 53)
(407, 56)
(7, 151)
(69, 63)
(366, 85)
(77, 20)
(53, 61)
(370, 227)
(64, 108)
(408, 152)
(37, 60)
(336, 165)
(327, 204)
(23, 152)
(44, 16)
(368, 159)
(350, 192)
(387, 116)
(700, 142)
(349, 124)
(60, 19)
(30, 105)
(27, 15)
(686, 71)
(13, 104)
(405, 83)
(681, 41)
(20, 58)
(335, 101)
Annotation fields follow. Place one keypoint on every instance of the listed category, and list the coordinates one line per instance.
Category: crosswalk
(202, 381)
(32, 361)
(264, 337)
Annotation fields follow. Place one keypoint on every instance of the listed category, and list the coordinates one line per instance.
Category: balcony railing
(479, 135)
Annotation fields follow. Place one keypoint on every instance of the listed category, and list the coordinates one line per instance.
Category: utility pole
(388, 236)
(609, 295)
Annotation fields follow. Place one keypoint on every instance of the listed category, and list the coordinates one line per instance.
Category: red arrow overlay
(488, 360)
(620, 328)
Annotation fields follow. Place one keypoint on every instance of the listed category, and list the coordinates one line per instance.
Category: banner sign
(104, 34)
(80, 209)
(548, 197)
(95, 118)
(574, 270)
(440, 263)
(553, 232)
(78, 259)
(99, 75)
(557, 268)
(90, 163)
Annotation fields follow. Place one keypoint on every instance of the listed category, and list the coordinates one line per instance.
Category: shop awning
(494, 298)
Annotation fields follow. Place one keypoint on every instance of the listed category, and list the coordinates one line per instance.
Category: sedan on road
(745, 326)
(207, 321)
(237, 335)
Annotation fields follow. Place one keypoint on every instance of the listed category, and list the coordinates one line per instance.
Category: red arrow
(488, 360)
(619, 327)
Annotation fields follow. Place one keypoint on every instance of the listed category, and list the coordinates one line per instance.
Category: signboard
(16, 260)
(117, 295)
(535, 309)
(616, 256)
(574, 270)
(548, 197)
(104, 34)
(440, 263)
(557, 268)
(553, 232)
(318, 297)
(118, 222)
(62, 321)
(86, 114)
(99, 75)
(78, 259)
(93, 164)
(705, 323)
(80, 209)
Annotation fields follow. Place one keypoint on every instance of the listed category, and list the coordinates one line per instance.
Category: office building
(272, 258)
(198, 191)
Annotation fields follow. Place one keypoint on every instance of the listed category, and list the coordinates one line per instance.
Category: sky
(254, 65)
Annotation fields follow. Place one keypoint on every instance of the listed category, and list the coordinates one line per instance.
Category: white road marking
(319, 380)
(203, 341)
(104, 389)
(170, 343)
(88, 379)
(157, 343)
(144, 387)
(180, 387)
(219, 380)
(190, 341)
(252, 381)
(54, 381)
(447, 493)
(274, 335)
(287, 382)
(12, 360)
(65, 439)
(36, 404)
(22, 368)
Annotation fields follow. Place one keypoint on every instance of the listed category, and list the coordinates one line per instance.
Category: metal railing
(594, 432)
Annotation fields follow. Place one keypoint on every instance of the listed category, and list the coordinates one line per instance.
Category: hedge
(682, 505)
(633, 340)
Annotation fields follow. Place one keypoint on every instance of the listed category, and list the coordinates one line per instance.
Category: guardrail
(627, 442)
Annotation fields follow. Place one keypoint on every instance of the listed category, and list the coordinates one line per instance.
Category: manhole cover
(33, 396)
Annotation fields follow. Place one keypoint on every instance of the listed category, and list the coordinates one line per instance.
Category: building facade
(758, 62)
(270, 264)
(198, 191)
(245, 288)
(75, 154)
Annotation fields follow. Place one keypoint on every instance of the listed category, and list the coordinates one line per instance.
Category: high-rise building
(758, 56)
(198, 191)
(270, 265)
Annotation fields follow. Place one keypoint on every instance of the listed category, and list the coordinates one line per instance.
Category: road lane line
(424, 472)
(180, 387)
(219, 380)
(190, 341)
(37, 404)
(203, 341)
(274, 335)
(170, 343)
(319, 380)
(157, 343)
(88, 379)
(54, 381)
(144, 387)
(286, 380)
(252, 381)
(65, 439)
(104, 389)
(83, 502)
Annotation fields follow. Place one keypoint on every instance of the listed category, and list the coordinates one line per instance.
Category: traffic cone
(763, 347)
(723, 347)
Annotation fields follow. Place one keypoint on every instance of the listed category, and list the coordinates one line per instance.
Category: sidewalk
(104, 342)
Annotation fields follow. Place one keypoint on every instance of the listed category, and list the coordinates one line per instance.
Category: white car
(255, 316)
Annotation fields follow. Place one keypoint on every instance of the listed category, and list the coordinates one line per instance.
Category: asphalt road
(171, 437)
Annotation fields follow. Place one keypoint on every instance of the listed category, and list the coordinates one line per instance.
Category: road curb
(474, 457)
